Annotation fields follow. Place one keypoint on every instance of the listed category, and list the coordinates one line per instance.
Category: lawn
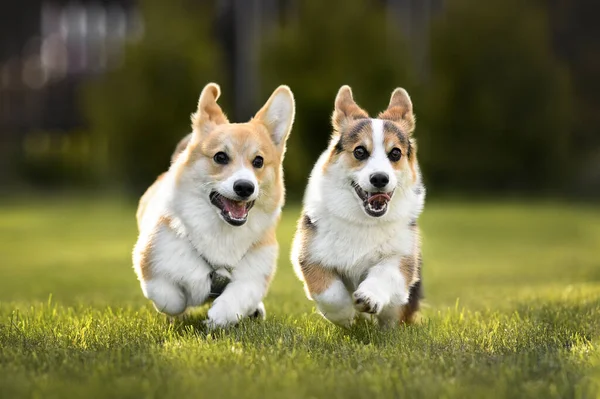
(512, 310)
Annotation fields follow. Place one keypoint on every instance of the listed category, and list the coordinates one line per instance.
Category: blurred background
(94, 95)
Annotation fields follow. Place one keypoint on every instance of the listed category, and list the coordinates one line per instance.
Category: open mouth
(376, 203)
(233, 212)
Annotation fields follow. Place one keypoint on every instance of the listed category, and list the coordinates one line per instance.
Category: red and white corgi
(207, 225)
(357, 246)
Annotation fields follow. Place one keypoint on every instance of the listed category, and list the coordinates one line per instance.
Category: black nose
(243, 188)
(379, 180)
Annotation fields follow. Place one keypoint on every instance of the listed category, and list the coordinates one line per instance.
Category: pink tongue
(379, 200)
(235, 208)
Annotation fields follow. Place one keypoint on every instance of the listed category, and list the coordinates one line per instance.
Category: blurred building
(47, 49)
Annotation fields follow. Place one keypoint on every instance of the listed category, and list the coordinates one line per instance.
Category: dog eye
(221, 158)
(258, 162)
(395, 154)
(361, 153)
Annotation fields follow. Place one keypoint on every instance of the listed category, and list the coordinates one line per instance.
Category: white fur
(184, 238)
(350, 241)
(174, 285)
(226, 187)
(384, 285)
(280, 115)
(197, 232)
(244, 294)
(378, 162)
(336, 304)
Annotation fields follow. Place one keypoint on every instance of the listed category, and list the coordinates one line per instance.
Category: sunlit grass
(512, 310)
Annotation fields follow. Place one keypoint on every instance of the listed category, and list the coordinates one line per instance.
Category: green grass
(512, 310)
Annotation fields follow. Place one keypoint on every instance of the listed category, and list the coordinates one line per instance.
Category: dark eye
(258, 162)
(221, 158)
(395, 154)
(361, 153)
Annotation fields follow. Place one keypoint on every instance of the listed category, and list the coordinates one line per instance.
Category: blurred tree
(498, 114)
(142, 109)
(324, 47)
(576, 33)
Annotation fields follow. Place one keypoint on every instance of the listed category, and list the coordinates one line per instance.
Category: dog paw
(260, 312)
(367, 302)
(220, 317)
(340, 320)
(211, 325)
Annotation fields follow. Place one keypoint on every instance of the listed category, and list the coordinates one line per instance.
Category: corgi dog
(207, 225)
(357, 244)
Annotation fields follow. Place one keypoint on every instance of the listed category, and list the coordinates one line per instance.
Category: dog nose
(379, 180)
(243, 188)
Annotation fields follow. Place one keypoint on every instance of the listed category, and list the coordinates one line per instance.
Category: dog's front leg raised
(249, 282)
(385, 285)
(170, 273)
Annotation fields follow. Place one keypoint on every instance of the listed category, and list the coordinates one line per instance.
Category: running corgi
(207, 225)
(357, 246)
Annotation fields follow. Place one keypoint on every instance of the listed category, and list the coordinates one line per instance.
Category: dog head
(235, 166)
(372, 159)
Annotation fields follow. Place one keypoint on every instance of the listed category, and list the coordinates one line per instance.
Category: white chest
(344, 246)
(221, 244)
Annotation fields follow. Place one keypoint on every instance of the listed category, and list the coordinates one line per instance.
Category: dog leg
(393, 315)
(335, 304)
(330, 294)
(171, 274)
(166, 296)
(249, 282)
(384, 285)
(259, 313)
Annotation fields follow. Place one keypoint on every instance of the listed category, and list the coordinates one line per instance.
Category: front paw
(220, 317)
(260, 312)
(368, 301)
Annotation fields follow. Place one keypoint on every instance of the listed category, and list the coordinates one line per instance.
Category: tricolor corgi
(207, 225)
(357, 245)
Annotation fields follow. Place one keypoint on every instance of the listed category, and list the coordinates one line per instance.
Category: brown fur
(350, 130)
(346, 110)
(317, 278)
(145, 200)
(400, 110)
(145, 262)
(411, 269)
(252, 138)
(213, 133)
(409, 313)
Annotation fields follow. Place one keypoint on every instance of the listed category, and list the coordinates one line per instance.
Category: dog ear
(346, 110)
(209, 113)
(400, 109)
(278, 115)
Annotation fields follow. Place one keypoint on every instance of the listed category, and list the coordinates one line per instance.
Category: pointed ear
(400, 109)
(278, 115)
(346, 110)
(209, 113)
